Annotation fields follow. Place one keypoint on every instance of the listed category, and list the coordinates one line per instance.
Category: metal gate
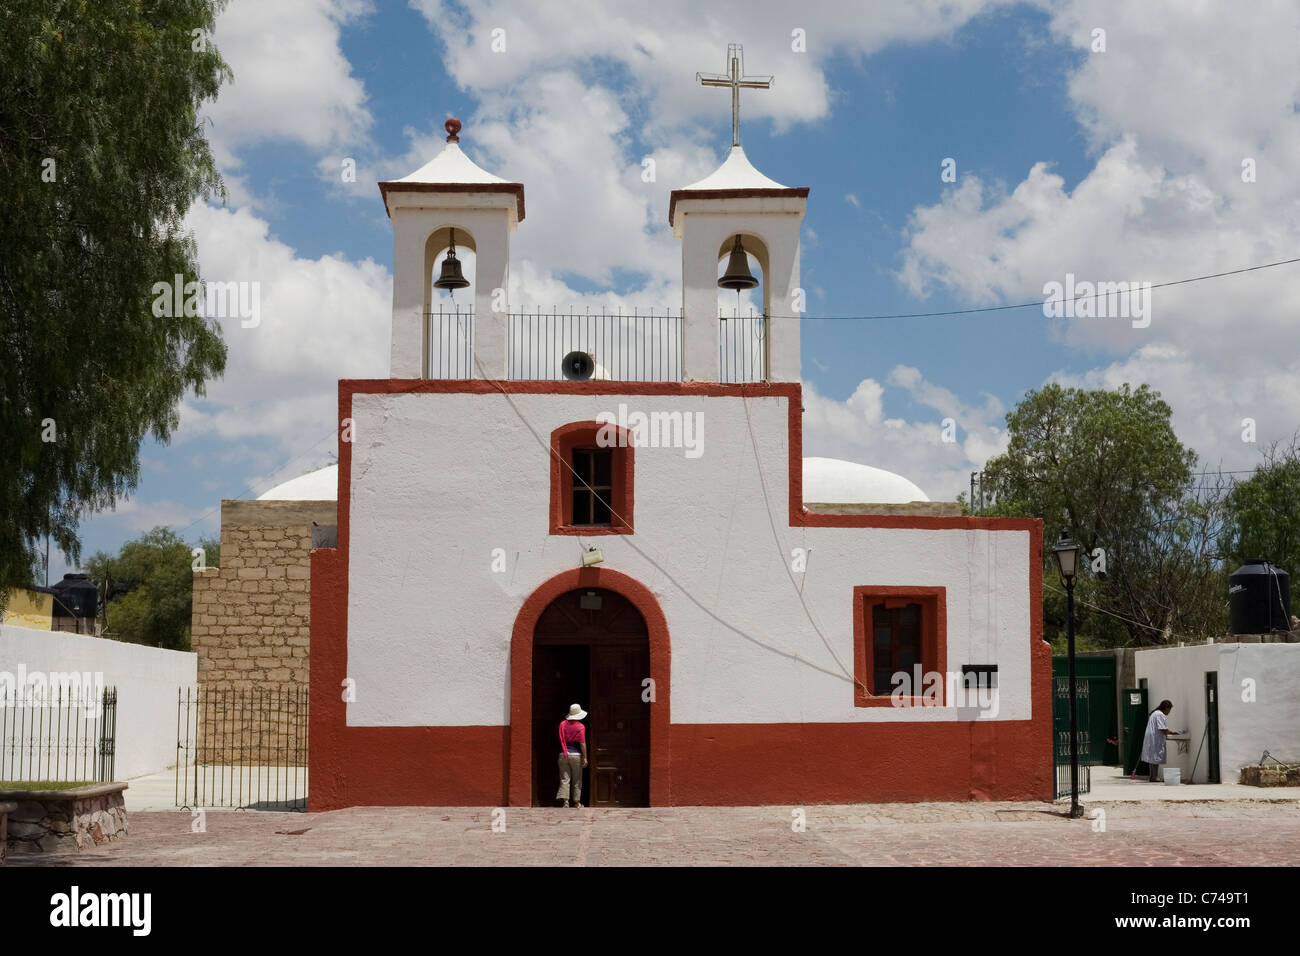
(60, 733)
(244, 748)
(1061, 734)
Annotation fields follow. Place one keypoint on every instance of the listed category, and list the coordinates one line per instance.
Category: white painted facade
(147, 680)
(440, 481)
(1259, 700)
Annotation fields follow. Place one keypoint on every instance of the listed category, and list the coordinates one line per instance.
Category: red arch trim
(521, 678)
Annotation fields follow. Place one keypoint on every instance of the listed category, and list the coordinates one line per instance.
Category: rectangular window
(593, 488)
(897, 630)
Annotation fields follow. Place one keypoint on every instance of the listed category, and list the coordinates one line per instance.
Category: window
(592, 486)
(898, 629)
(591, 479)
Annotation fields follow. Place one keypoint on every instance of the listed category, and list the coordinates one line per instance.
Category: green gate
(1102, 724)
(1061, 733)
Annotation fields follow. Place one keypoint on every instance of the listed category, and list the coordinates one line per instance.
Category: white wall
(1270, 673)
(441, 480)
(1178, 674)
(1272, 720)
(146, 678)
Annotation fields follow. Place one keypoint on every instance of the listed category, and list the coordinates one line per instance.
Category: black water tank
(75, 596)
(1259, 598)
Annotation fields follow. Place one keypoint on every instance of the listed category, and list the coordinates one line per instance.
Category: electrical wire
(1039, 303)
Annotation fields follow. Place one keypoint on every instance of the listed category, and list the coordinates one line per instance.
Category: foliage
(1263, 512)
(148, 588)
(101, 155)
(1105, 467)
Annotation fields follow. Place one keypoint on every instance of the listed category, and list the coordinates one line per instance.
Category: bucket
(1173, 776)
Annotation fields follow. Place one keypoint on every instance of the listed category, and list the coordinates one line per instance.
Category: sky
(1107, 140)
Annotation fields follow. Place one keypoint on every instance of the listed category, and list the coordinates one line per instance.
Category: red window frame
(575, 435)
(934, 640)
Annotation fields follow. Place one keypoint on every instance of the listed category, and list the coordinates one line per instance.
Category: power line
(1037, 303)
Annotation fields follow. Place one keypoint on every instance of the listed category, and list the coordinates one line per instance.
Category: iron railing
(1061, 734)
(636, 347)
(244, 748)
(61, 734)
(642, 347)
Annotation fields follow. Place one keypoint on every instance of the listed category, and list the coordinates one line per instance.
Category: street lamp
(1067, 561)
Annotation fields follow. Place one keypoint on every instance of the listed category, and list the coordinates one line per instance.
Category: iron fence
(636, 347)
(742, 348)
(244, 748)
(641, 347)
(63, 733)
(1061, 734)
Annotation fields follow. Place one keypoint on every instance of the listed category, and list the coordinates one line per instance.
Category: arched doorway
(608, 636)
(591, 646)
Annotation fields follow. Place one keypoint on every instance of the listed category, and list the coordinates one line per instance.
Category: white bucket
(1173, 776)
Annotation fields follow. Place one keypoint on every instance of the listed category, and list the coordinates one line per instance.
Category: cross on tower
(735, 78)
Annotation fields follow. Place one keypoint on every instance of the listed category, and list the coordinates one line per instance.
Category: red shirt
(572, 732)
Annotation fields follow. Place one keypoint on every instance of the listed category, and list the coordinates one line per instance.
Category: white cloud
(1165, 200)
(857, 429)
(291, 83)
(321, 320)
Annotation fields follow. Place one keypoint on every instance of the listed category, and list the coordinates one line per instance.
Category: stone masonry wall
(251, 629)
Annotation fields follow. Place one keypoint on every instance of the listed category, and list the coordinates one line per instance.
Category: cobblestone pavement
(979, 834)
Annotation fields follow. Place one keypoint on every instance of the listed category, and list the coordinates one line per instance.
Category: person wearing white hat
(573, 757)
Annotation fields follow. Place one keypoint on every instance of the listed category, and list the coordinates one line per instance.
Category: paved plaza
(1211, 833)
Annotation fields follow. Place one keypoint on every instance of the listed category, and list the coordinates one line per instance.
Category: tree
(1106, 467)
(1263, 512)
(101, 155)
(147, 589)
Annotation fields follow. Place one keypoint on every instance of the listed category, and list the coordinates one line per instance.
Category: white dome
(832, 481)
(320, 485)
(825, 481)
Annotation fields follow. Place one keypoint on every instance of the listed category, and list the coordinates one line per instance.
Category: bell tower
(738, 204)
(450, 202)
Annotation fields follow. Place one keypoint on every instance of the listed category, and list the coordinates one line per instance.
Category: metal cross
(735, 78)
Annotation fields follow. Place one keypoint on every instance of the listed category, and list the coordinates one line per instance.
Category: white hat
(576, 713)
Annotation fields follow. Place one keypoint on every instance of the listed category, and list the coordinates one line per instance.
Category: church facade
(511, 542)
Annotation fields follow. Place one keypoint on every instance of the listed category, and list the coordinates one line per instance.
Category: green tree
(1263, 512)
(1106, 467)
(147, 589)
(101, 155)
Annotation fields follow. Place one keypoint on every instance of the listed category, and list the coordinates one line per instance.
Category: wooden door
(620, 726)
(605, 632)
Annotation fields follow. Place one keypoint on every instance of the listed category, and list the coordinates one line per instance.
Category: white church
(614, 510)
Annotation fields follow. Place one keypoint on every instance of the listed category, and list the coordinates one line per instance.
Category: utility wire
(1039, 303)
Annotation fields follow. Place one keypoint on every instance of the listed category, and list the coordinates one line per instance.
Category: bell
(451, 277)
(737, 275)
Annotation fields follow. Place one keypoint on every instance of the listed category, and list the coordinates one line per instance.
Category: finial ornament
(736, 79)
(452, 126)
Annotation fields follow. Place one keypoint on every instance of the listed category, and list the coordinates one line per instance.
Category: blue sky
(1118, 164)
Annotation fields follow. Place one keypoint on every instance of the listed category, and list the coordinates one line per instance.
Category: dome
(833, 481)
(319, 485)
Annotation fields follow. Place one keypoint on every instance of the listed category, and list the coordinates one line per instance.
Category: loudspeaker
(578, 366)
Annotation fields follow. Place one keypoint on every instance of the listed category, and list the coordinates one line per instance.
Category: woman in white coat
(1153, 744)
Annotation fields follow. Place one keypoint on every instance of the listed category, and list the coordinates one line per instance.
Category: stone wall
(47, 821)
(251, 630)
(251, 617)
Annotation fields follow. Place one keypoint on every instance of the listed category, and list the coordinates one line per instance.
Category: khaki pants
(570, 778)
